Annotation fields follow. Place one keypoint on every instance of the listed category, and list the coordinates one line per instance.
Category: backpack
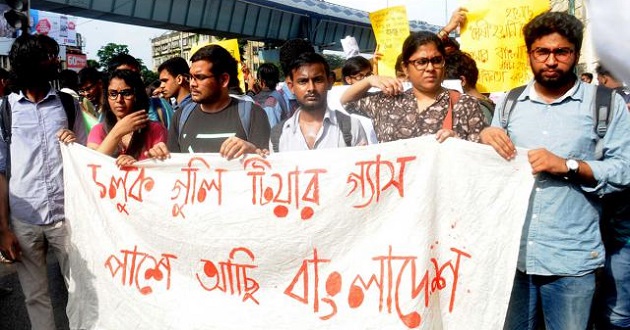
(244, 113)
(345, 125)
(601, 112)
(286, 113)
(67, 101)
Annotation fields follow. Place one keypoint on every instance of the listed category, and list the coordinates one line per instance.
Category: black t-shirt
(205, 132)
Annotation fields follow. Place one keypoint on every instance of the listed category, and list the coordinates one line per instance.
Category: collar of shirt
(294, 123)
(576, 92)
(50, 94)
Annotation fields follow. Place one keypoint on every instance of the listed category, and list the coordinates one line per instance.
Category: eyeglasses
(422, 63)
(86, 89)
(127, 94)
(360, 76)
(561, 54)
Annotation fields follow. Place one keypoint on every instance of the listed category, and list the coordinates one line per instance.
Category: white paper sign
(408, 234)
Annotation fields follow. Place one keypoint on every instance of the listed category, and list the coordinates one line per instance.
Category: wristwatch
(574, 166)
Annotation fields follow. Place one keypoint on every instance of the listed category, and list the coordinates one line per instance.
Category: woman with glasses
(426, 108)
(126, 132)
(356, 69)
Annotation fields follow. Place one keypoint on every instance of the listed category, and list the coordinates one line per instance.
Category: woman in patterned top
(421, 110)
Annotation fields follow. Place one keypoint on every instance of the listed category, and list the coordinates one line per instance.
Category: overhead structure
(322, 23)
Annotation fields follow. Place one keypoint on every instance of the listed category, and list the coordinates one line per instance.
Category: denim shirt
(36, 191)
(561, 234)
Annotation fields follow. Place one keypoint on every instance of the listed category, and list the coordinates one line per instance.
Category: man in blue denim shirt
(561, 245)
(34, 191)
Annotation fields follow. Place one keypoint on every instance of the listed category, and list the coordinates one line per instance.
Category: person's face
(120, 97)
(585, 79)
(425, 68)
(359, 76)
(552, 59)
(169, 85)
(91, 91)
(49, 68)
(205, 87)
(310, 84)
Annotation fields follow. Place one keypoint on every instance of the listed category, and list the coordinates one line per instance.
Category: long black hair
(141, 102)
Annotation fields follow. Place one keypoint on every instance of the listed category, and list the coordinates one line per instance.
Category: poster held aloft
(391, 28)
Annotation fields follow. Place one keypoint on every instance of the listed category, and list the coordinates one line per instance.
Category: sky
(99, 33)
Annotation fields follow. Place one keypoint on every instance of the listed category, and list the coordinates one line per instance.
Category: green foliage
(93, 64)
(110, 50)
(334, 61)
(148, 76)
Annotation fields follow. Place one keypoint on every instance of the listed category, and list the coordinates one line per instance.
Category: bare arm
(126, 125)
(8, 242)
(358, 90)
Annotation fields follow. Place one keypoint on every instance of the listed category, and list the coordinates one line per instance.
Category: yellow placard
(231, 45)
(391, 28)
(493, 37)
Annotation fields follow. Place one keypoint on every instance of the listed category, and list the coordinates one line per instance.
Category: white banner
(408, 234)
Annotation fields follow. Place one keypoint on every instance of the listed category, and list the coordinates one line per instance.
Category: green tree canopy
(110, 50)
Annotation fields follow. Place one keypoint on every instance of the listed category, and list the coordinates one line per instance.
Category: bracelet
(442, 34)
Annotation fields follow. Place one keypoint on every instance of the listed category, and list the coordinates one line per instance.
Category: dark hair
(269, 74)
(461, 64)
(27, 55)
(588, 74)
(602, 71)
(175, 66)
(420, 38)
(548, 23)
(122, 59)
(354, 65)
(399, 64)
(89, 75)
(291, 50)
(69, 79)
(141, 102)
(222, 62)
(307, 59)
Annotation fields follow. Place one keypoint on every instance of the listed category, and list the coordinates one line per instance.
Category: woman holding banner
(126, 133)
(426, 108)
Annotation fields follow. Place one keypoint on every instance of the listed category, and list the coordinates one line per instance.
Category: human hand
(458, 18)
(262, 152)
(499, 140)
(543, 160)
(66, 136)
(125, 160)
(131, 122)
(388, 85)
(158, 151)
(444, 134)
(9, 245)
(235, 147)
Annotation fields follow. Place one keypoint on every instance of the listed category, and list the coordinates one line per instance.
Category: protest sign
(391, 28)
(493, 37)
(407, 234)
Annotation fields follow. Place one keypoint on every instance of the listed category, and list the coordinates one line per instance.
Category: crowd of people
(578, 219)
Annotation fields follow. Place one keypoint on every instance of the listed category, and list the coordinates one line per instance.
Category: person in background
(269, 98)
(126, 132)
(69, 83)
(586, 77)
(606, 78)
(31, 174)
(355, 69)
(175, 83)
(159, 109)
(463, 67)
(91, 89)
(426, 107)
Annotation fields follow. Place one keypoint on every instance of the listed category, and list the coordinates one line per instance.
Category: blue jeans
(565, 301)
(616, 288)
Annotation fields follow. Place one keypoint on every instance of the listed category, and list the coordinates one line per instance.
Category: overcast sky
(98, 33)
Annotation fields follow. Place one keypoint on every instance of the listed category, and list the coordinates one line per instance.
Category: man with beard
(561, 245)
(314, 125)
(215, 121)
(31, 174)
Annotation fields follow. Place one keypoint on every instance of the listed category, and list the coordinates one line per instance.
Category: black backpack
(67, 101)
(345, 125)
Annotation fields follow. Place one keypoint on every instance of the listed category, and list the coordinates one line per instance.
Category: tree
(93, 64)
(334, 61)
(110, 50)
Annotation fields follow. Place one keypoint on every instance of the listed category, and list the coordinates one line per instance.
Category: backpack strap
(185, 113)
(245, 114)
(5, 127)
(453, 98)
(345, 125)
(283, 105)
(601, 116)
(67, 101)
(509, 104)
(274, 135)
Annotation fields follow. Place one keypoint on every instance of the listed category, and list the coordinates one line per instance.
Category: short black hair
(417, 39)
(588, 74)
(602, 71)
(222, 62)
(122, 59)
(69, 78)
(354, 65)
(290, 50)
(89, 75)
(308, 59)
(175, 66)
(26, 54)
(462, 64)
(548, 23)
(269, 74)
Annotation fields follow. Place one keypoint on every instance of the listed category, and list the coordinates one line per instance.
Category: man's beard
(563, 79)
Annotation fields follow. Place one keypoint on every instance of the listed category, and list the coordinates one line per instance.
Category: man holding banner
(561, 244)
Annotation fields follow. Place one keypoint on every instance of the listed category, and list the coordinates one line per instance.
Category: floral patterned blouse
(397, 117)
